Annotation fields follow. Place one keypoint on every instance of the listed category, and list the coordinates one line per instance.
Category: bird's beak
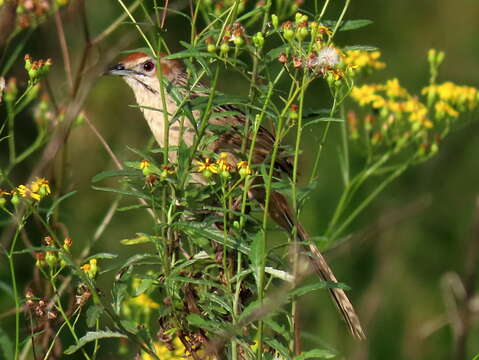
(118, 69)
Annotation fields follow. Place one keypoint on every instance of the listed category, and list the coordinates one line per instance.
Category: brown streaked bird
(139, 71)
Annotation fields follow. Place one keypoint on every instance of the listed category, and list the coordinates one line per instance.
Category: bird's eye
(148, 66)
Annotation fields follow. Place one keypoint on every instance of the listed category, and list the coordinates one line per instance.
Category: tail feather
(281, 213)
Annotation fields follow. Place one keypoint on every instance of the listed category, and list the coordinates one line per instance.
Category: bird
(140, 71)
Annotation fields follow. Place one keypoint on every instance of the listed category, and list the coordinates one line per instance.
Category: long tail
(279, 210)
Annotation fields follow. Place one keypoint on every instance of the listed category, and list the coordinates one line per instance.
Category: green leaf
(276, 345)
(278, 329)
(142, 259)
(355, 24)
(131, 207)
(317, 286)
(209, 232)
(93, 314)
(198, 321)
(122, 192)
(360, 47)
(322, 119)
(316, 353)
(101, 256)
(257, 254)
(92, 336)
(114, 173)
(139, 239)
(130, 326)
(57, 202)
(192, 281)
(145, 284)
(274, 53)
(6, 344)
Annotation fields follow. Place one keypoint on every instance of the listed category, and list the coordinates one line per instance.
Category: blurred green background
(405, 247)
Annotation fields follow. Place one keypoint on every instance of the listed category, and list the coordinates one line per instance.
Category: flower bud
(51, 259)
(238, 40)
(431, 56)
(67, 244)
(93, 268)
(274, 21)
(211, 48)
(28, 62)
(224, 48)
(258, 40)
(40, 259)
(301, 33)
(15, 200)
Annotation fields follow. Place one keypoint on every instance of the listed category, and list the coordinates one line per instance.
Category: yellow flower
(243, 168)
(85, 268)
(359, 59)
(41, 186)
(36, 190)
(144, 301)
(454, 94)
(26, 192)
(393, 89)
(364, 94)
(144, 164)
(207, 167)
(177, 352)
(443, 109)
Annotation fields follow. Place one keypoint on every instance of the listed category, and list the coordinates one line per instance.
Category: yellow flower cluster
(36, 190)
(222, 166)
(400, 117)
(175, 350)
(463, 97)
(360, 59)
(90, 268)
(392, 99)
(144, 301)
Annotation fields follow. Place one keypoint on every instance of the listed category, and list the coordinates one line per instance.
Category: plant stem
(368, 200)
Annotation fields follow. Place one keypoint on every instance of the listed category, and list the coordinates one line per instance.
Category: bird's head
(140, 71)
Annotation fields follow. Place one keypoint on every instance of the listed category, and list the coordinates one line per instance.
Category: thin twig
(64, 48)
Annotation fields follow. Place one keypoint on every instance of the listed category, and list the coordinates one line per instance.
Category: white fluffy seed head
(328, 56)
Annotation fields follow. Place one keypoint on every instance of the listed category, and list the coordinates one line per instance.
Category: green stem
(11, 133)
(338, 24)
(314, 172)
(344, 138)
(368, 199)
(294, 310)
(125, 9)
(268, 182)
(325, 6)
(15, 295)
(350, 190)
(67, 320)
